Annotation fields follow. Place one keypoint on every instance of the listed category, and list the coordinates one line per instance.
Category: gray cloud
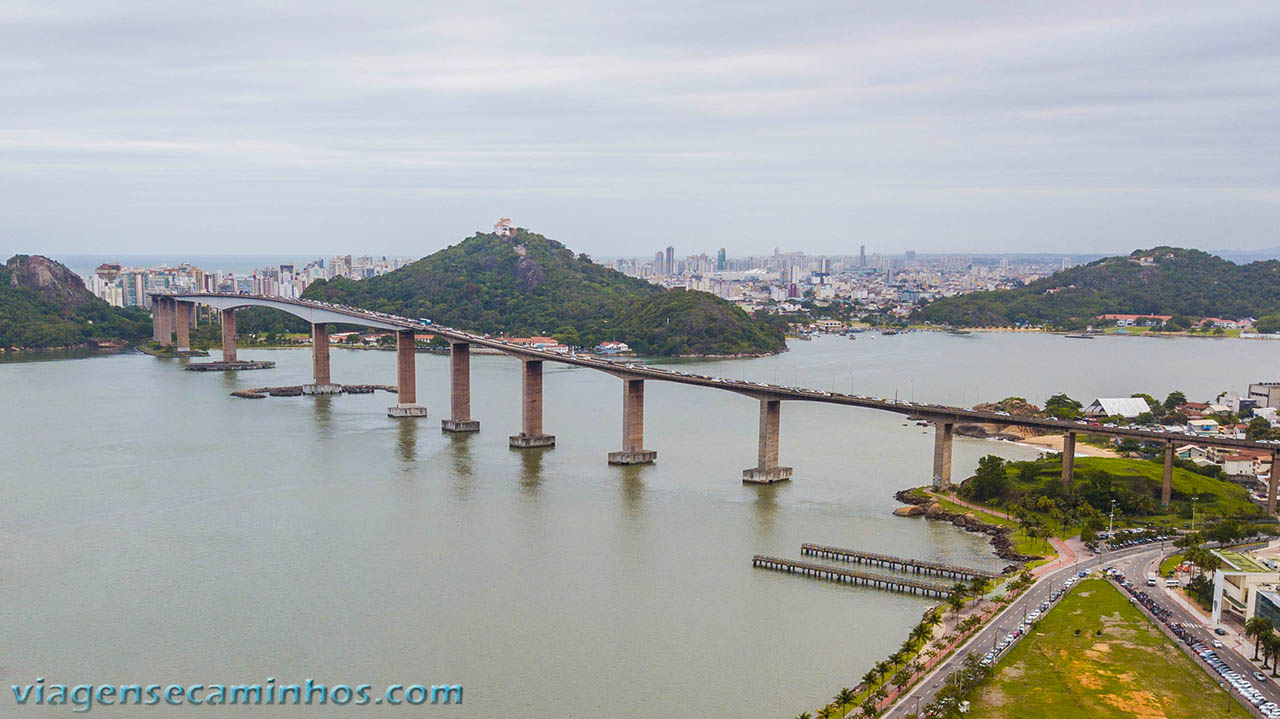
(619, 127)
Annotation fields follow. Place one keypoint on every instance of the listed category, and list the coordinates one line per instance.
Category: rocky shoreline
(1000, 539)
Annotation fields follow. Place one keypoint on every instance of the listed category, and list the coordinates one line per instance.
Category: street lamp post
(1194, 500)
(1111, 523)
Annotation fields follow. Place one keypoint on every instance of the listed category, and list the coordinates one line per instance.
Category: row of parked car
(1206, 652)
(1133, 537)
(1007, 641)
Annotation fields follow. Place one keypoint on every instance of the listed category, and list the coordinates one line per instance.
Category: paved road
(923, 693)
(1137, 569)
(316, 311)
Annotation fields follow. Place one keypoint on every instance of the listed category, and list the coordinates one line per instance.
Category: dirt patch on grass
(1013, 671)
(994, 697)
(1141, 704)
(1101, 647)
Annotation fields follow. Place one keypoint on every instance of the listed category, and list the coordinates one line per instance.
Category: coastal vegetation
(1033, 491)
(1189, 285)
(44, 304)
(1097, 655)
(526, 284)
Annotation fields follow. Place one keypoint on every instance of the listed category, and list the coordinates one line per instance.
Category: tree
(1268, 324)
(1062, 407)
(1257, 628)
(804, 715)
(991, 480)
(1272, 644)
(1175, 400)
(1259, 428)
(843, 699)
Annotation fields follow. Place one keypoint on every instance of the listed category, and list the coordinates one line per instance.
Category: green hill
(528, 284)
(1135, 484)
(1164, 281)
(43, 304)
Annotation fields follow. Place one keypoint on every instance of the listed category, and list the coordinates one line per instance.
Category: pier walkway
(918, 566)
(868, 579)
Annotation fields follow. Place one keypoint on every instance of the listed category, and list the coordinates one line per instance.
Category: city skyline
(973, 128)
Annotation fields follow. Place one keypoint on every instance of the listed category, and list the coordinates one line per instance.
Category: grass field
(1217, 497)
(1168, 563)
(1132, 671)
(1037, 546)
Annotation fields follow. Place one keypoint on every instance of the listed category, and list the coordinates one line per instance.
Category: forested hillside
(1164, 281)
(531, 285)
(44, 304)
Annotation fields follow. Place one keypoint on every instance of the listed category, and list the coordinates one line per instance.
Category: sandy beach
(1054, 442)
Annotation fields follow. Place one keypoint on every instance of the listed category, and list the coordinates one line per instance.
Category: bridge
(173, 314)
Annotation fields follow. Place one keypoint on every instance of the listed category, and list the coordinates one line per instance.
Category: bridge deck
(919, 566)
(932, 412)
(835, 574)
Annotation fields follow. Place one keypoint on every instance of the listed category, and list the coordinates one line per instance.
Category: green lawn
(1169, 562)
(1131, 671)
(1217, 497)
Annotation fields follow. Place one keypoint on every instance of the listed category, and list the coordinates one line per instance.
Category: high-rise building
(659, 263)
(862, 256)
(671, 260)
(721, 260)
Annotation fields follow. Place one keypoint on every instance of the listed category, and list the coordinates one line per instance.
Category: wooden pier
(866, 579)
(917, 566)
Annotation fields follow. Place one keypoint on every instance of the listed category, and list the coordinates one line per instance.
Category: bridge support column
(1272, 483)
(321, 383)
(406, 378)
(460, 390)
(182, 324)
(158, 325)
(228, 335)
(1166, 489)
(633, 451)
(767, 470)
(942, 455)
(531, 435)
(1068, 457)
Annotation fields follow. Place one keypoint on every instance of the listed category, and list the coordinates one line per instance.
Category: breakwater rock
(1000, 537)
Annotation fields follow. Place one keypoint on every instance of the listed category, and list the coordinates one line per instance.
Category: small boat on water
(1080, 336)
(888, 332)
(955, 331)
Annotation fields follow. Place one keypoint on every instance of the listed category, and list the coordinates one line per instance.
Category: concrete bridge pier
(1068, 458)
(633, 451)
(531, 435)
(182, 324)
(228, 335)
(460, 390)
(321, 384)
(943, 433)
(160, 321)
(767, 470)
(1166, 489)
(406, 378)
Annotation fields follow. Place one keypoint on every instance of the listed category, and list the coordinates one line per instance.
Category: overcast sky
(621, 127)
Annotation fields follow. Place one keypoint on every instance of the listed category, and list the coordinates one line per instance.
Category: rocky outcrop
(1000, 539)
(909, 510)
(50, 279)
(1015, 406)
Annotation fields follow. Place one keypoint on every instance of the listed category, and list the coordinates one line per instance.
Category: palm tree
(908, 645)
(956, 601)
(882, 666)
(826, 712)
(932, 619)
(869, 677)
(1257, 628)
(1272, 642)
(978, 586)
(844, 698)
(804, 715)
